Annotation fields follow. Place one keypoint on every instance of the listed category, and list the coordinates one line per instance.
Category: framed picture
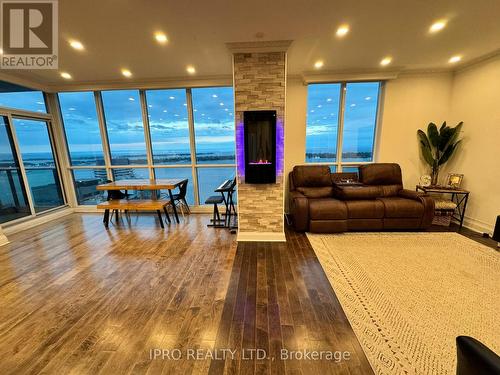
(454, 180)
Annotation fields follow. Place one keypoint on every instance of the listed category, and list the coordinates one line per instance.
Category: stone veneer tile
(259, 84)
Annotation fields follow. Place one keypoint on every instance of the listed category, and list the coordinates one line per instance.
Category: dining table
(153, 185)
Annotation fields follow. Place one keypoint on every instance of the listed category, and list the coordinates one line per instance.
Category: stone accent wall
(259, 84)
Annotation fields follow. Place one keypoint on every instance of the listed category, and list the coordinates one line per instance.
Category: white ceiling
(119, 33)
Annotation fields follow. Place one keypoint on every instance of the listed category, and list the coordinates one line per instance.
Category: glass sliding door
(13, 199)
(39, 163)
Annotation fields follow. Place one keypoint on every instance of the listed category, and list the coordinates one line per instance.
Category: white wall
(475, 99)
(412, 101)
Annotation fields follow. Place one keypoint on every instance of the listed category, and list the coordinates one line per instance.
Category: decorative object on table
(443, 212)
(438, 146)
(425, 180)
(454, 180)
(458, 196)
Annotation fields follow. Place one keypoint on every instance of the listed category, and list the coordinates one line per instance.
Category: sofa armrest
(299, 208)
(426, 201)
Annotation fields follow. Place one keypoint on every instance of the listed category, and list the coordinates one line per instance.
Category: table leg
(173, 205)
(462, 214)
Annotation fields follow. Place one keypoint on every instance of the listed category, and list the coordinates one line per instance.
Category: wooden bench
(135, 204)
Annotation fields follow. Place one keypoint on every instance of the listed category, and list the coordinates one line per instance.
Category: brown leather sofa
(321, 202)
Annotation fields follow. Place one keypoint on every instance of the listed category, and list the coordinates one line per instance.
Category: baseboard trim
(478, 225)
(261, 237)
(33, 222)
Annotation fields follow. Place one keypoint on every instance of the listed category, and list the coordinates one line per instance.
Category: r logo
(29, 27)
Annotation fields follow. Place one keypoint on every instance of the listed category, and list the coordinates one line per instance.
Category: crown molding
(348, 75)
(151, 83)
(478, 61)
(256, 47)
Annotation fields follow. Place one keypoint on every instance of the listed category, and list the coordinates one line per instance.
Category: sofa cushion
(380, 174)
(356, 192)
(390, 190)
(397, 207)
(316, 192)
(327, 209)
(365, 209)
(311, 175)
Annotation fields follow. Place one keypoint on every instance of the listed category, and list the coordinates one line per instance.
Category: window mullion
(104, 134)
(192, 145)
(147, 133)
(340, 129)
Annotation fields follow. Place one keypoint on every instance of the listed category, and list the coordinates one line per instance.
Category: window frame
(48, 118)
(151, 165)
(339, 164)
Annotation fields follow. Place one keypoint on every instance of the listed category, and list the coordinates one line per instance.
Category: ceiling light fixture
(319, 64)
(342, 30)
(161, 37)
(386, 61)
(66, 75)
(75, 44)
(455, 59)
(127, 73)
(437, 26)
(190, 69)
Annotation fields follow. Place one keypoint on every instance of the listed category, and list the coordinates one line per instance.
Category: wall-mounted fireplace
(260, 147)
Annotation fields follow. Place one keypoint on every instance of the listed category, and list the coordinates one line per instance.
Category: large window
(23, 100)
(39, 162)
(341, 123)
(122, 110)
(82, 128)
(162, 146)
(168, 123)
(214, 125)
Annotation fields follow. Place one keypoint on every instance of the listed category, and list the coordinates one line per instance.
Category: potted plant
(438, 146)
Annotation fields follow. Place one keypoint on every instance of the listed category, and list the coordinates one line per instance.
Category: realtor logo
(29, 34)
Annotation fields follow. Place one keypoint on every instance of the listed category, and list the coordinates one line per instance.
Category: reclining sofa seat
(320, 203)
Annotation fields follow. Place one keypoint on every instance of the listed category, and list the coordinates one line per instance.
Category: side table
(458, 196)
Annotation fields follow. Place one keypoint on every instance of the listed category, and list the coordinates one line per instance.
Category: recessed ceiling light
(66, 75)
(161, 37)
(127, 73)
(76, 45)
(368, 98)
(342, 30)
(437, 26)
(131, 99)
(319, 64)
(171, 97)
(221, 104)
(190, 69)
(329, 99)
(214, 95)
(455, 59)
(386, 61)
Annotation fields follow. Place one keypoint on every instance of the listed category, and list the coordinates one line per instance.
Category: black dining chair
(180, 197)
(116, 194)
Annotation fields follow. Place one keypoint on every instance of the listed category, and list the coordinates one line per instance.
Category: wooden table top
(442, 189)
(158, 184)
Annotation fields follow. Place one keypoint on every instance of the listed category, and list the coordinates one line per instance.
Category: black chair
(180, 198)
(474, 358)
(116, 194)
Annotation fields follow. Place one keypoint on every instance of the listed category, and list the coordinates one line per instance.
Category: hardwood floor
(78, 299)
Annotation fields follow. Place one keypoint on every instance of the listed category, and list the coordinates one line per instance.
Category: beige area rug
(408, 295)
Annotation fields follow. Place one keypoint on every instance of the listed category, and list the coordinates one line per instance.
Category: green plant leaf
(427, 154)
(453, 136)
(448, 153)
(433, 134)
(442, 127)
